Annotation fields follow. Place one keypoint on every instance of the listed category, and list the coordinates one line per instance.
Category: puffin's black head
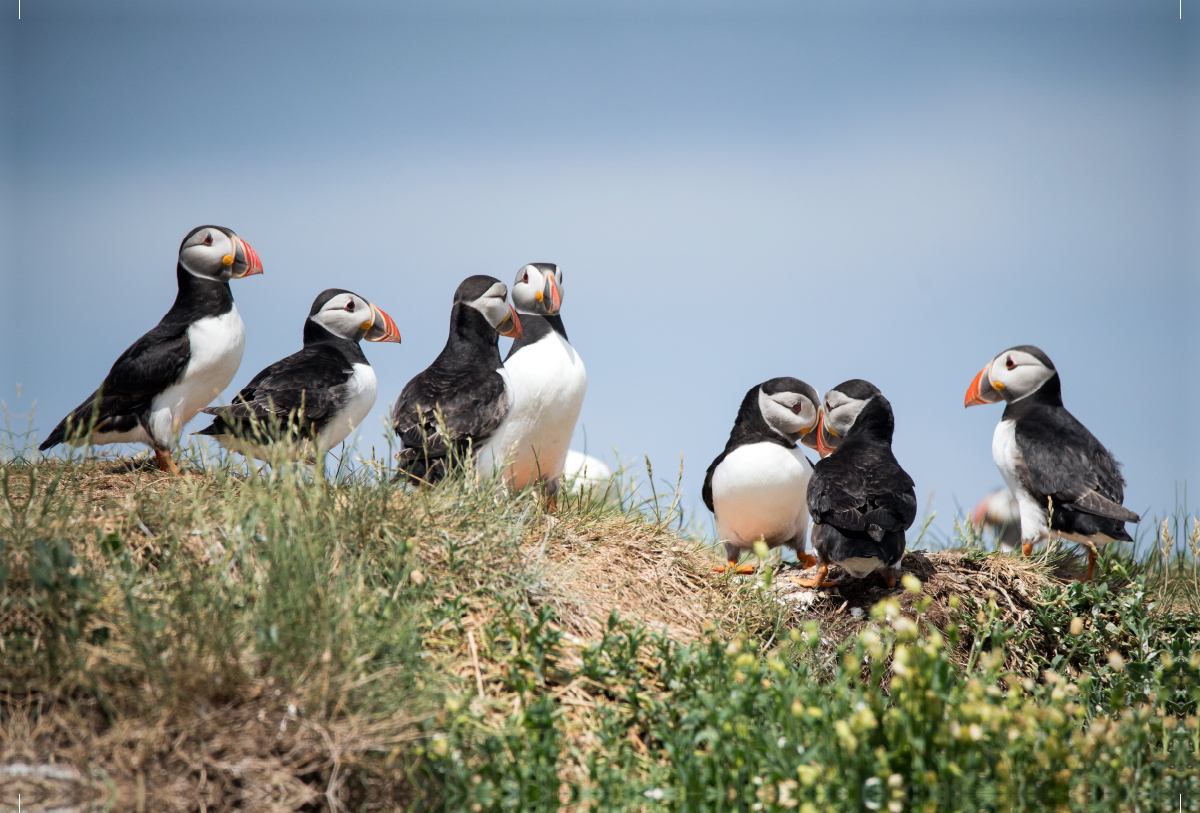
(538, 289)
(487, 295)
(840, 412)
(351, 317)
(215, 252)
(1014, 374)
(788, 405)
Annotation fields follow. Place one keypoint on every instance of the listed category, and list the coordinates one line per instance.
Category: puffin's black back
(1064, 461)
(751, 427)
(862, 496)
(150, 365)
(462, 382)
(300, 393)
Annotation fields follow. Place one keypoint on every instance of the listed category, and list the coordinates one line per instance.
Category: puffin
(1048, 458)
(999, 511)
(466, 390)
(756, 488)
(548, 383)
(163, 379)
(860, 499)
(309, 402)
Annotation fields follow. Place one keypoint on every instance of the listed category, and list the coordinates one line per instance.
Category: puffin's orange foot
(165, 463)
(552, 503)
(1027, 549)
(734, 568)
(889, 578)
(820, 581)
(807, 560)
(814, 583)
(1090, 571)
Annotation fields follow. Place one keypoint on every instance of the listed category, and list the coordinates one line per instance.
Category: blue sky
(734, 191)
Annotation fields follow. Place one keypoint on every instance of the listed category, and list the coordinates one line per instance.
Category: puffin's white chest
(760, 491)
(547, 383)
(216, 345)
(359, 396)
(1007, 456)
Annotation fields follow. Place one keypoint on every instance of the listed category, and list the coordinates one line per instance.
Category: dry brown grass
(963, 577)
(251, 753)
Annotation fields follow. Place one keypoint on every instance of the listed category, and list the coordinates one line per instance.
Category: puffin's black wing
(147, 367)
(706, 492)
(1065, 461)
(307, 386)
(865, 492)
(472, 410)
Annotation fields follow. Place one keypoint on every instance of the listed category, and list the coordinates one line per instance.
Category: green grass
(236, 640)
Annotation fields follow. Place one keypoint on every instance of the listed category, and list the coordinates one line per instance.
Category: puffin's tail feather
(56, 437)
(81, 421)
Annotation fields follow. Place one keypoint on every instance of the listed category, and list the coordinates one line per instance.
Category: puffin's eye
(350, 306)
(208, 239)
(1009, 363)
(798, 407)
(526, 277)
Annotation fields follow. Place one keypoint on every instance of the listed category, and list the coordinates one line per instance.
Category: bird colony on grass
(513, 418)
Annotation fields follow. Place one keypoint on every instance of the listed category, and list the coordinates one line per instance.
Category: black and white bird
(756, 488)
(163, 379)
(1048, 458)
(548, 383)
(302, 406)
(466, 389)
(860, 499)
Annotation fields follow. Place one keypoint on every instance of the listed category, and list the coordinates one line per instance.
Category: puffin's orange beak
(823, 448)
(981, 391)
(383, 328)
(513, 331)
(249, 256)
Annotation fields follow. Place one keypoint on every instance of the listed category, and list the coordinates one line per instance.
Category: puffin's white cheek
(522, 295)
(782, 418)
(795, 423)
(196, 259)
(1026, 379)
(997, 371)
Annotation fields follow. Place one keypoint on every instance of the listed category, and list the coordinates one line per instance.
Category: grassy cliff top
(263, 641)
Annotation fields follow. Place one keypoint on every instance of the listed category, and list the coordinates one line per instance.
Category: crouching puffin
(756, 488)
(163, 379)
(548, 383)
(1048, 458)
(465, 391)
(309, 402)
(860, 499)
